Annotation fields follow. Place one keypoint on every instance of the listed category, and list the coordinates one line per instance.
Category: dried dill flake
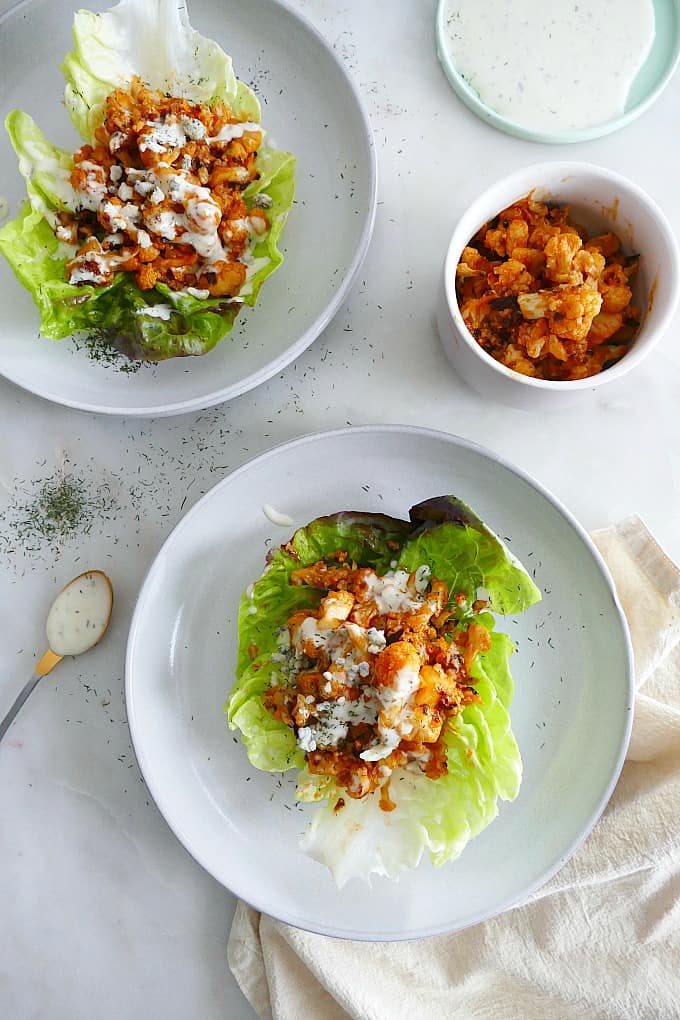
(101, 348)
(63, 506)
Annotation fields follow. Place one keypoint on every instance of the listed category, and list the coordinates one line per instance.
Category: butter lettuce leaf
(34, 253)
(156, 42)
(464, 552)
(484, 764)
(45, 168)
(277, 182)
(153, 40)
(370, 539)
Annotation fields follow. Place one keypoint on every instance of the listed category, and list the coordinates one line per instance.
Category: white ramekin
(600, 199)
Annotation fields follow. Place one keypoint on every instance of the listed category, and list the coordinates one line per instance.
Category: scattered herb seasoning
(63, 506)
(99, 348)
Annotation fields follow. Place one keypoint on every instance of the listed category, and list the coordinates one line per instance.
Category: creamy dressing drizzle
(92, 267)
(390, 593)
(348, 647)
(276, 517)
(197, 225)
(557, 66)
(79, 614)
(253, 266)
(156, 311)
(231, 131)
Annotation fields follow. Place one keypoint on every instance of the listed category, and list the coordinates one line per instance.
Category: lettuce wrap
(439, 815)
(152, 40)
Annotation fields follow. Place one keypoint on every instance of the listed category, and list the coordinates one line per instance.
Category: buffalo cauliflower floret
(510, 277)
(510, 234)
(559, 257)
(605, 244)
(613, 286)
(533, 336)
(588, 264)
(568, 310)
(471, 263)
(604, 326)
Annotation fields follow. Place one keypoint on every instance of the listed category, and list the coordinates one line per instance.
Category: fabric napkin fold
(600, 940)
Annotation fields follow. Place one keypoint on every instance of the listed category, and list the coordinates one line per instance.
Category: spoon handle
(18, 702)
(45, 666)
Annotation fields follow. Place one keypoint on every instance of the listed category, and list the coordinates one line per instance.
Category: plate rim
(136, 626)
(568, 136)
(311, 334)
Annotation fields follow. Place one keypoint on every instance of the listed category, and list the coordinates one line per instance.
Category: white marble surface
(103, 913)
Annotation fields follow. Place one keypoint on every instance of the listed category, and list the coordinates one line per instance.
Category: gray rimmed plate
(310, 107)
(573, 675)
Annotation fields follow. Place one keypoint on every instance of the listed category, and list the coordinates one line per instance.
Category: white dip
(276, 517)
(553, 66)
(79, 614)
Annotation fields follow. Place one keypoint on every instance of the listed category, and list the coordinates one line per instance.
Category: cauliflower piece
(559, 257)
(535, 306)
(392, 663)
(517, 235)
(533, 259)
(541, 233)
(471, 264)
(223, 279)
(533, 336)
(589, 264)
(613, 286)
(424, 722)
(557, 349)
(510, 277)
(605, 244)
(604, 326)
(335, 608)
(510, 234)
(569, 310)
(474, 312)
(515, 357)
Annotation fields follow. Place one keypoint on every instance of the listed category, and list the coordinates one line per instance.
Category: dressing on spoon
(77, 620)
(80, 614)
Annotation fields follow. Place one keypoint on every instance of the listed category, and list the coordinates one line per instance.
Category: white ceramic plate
(571, 714)
(309, 106)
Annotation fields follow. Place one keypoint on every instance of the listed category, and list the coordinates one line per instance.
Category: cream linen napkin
(601, 940)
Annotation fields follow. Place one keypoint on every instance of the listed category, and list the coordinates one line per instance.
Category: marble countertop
(103, 912)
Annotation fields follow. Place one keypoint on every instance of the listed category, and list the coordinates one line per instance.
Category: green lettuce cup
(158, 45)
(441, 815)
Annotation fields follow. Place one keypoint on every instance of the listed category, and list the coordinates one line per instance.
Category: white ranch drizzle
(197, 225)
(231, 131)
(553, 67)
(276, 517)
(79, 614)
(387, 708)
(156, 311)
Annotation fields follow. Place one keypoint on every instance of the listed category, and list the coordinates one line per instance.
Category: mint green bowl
(650, 82)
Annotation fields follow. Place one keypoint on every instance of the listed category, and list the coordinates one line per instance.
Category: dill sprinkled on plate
(102, 350)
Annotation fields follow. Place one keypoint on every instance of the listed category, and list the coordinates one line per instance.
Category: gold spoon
(77, 620)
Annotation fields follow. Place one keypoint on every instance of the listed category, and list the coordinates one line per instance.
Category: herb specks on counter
(55, 509)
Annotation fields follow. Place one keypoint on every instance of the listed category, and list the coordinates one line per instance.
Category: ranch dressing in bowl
(80, 614)
(559, 66)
